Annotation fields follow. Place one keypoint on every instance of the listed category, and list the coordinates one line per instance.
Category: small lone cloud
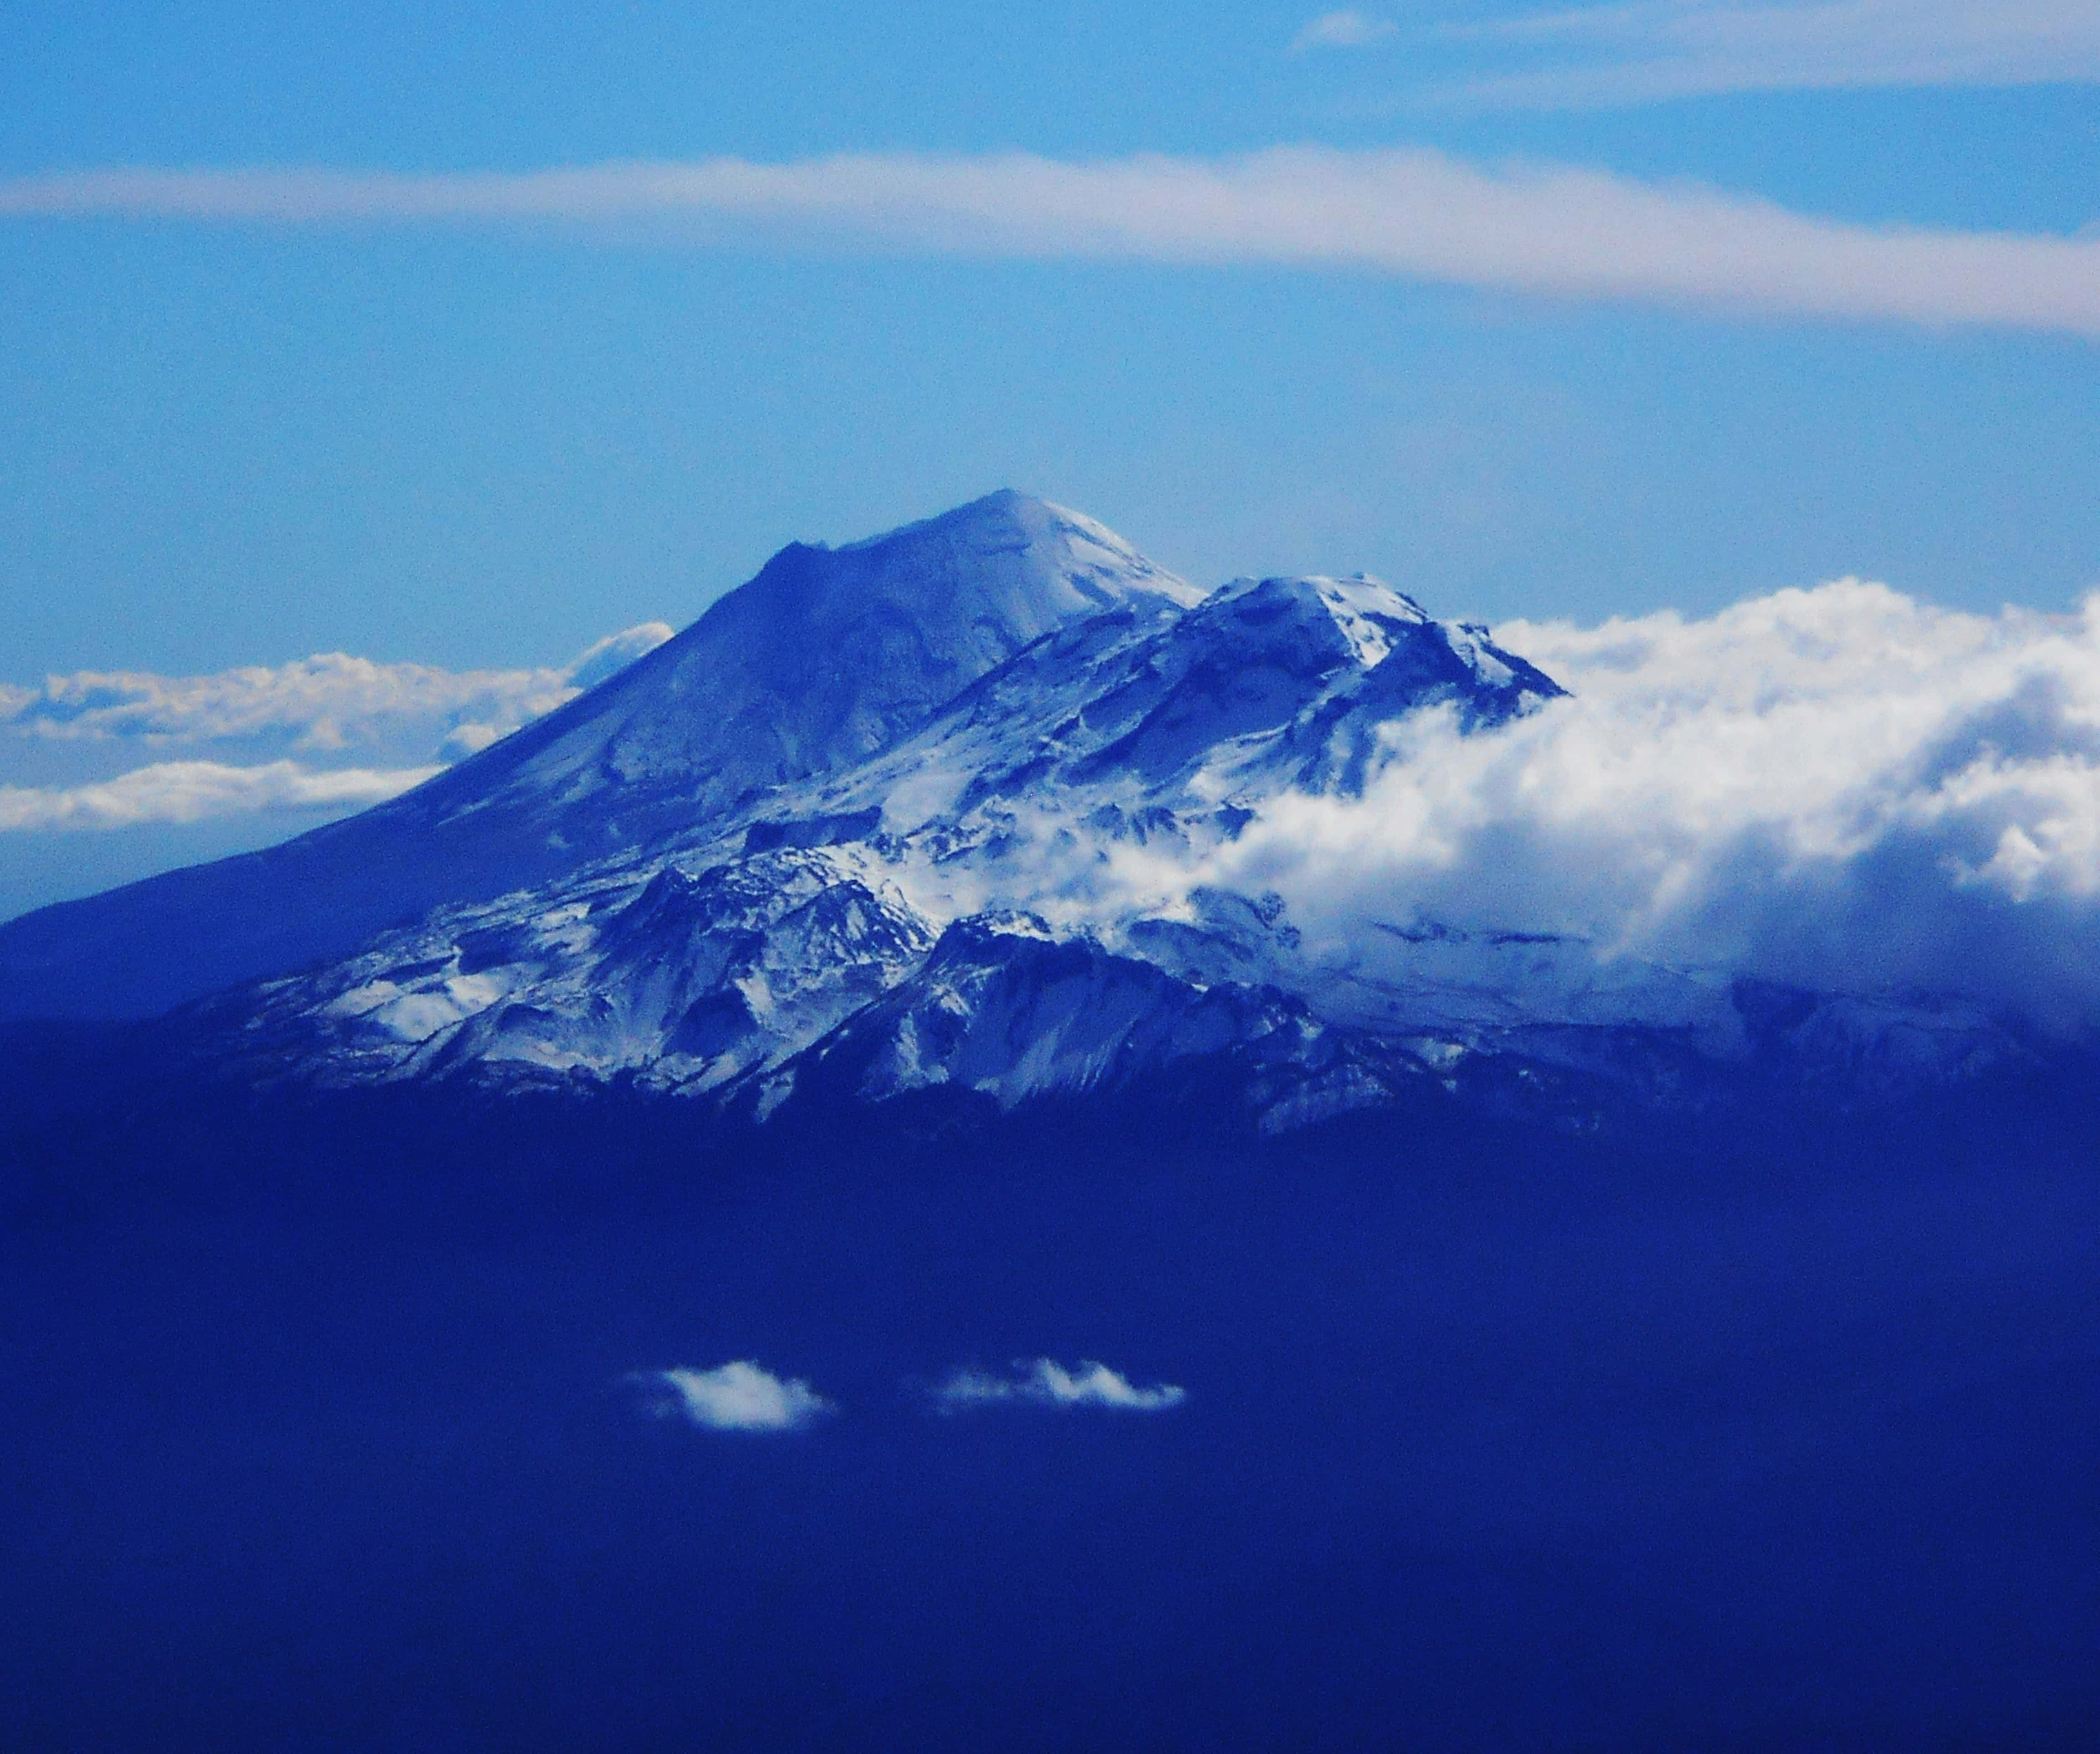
(1343, 30)
(615, 652)
(1044, 1382)
(740, 1396)
(470, 739)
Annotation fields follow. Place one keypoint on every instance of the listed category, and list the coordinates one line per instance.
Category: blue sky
(481, 441)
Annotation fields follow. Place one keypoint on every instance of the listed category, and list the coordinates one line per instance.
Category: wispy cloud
(193, 791)
(332, 701)
(1343, 30)
(1539, 229)
(1658, 49)
(741, 1396)
(1044, 1382)
(328, 733)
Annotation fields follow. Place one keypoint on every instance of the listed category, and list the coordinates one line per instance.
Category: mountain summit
(825, 657)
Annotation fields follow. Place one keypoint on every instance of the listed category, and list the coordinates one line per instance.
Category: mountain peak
(1035, 565)
(1002, 510)
(826, 656)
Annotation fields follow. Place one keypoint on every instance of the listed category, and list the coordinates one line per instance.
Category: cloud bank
(1536, 229)
(1044, 1382)
(1662, 49)
(1842, 788)
(741, 1396)
(309, 731)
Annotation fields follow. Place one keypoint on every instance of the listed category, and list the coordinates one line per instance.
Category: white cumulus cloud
(1044, 1382)
(1840, 786)
(1543, 229)
(740, 1396)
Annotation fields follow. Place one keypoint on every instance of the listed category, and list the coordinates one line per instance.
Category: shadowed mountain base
(1493, 1438)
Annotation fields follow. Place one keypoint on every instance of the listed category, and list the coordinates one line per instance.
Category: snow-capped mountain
(946, 809)
(824, 658)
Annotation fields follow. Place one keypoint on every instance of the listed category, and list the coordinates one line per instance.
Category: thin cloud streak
(175, 791)
(1663, 50)
(1545, 230)
(332, 733)
(1044, 1382)
(1343, 30)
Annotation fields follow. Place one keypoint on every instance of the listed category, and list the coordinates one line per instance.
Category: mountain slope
(778, 936)
(960, 912)
(825, 657)
(1267, 685)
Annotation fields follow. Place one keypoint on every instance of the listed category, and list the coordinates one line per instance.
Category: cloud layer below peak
(332, 732)
(1547, 230)
(1841, 788)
